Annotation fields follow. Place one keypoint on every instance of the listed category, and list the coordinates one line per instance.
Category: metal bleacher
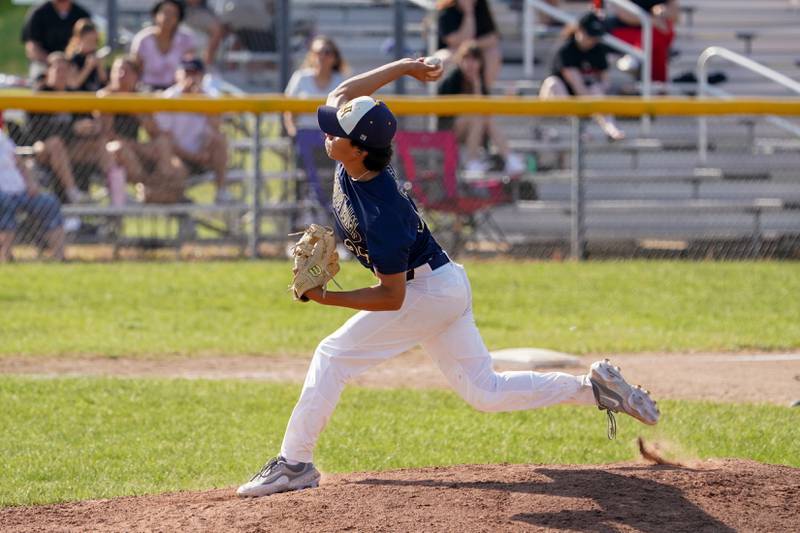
(658, 188)
(752, 164)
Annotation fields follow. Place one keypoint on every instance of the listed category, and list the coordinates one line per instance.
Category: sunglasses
(324, 52)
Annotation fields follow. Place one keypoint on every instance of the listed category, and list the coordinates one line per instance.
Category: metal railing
(645, 55)
(705, 89)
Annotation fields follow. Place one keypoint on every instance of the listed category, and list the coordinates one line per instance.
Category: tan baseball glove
(315, 260)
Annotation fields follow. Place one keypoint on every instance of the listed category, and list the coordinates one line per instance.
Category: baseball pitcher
(420, 296)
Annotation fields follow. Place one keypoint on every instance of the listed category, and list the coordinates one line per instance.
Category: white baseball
(432, 61)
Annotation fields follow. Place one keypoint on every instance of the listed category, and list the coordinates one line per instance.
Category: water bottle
(116, 186)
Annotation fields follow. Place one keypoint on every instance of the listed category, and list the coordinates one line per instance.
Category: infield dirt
(718, 496)
(722, 377)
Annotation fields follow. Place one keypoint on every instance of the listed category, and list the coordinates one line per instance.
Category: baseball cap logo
(345, 110)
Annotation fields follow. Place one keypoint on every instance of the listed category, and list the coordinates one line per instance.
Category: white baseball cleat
(613, 394)
(279, 476)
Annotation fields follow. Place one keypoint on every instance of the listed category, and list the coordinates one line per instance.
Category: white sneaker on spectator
(476, 165)
(72, 224)
(628, 64)
(224, 197)
(77, 196)
(515, 165)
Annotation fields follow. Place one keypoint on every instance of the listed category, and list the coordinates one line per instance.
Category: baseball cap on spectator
(592, 25)
(367, 121)
(193, 65)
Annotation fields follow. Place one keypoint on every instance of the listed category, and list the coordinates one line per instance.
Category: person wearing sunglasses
(320, 73)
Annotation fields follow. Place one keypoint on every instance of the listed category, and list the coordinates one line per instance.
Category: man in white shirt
(196, 138)
(19, 192)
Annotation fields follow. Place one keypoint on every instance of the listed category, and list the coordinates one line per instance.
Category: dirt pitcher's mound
(728, 495)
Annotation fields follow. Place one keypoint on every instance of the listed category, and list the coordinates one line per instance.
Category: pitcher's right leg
(466, 363)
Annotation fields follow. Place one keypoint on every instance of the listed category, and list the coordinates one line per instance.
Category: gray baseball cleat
(613, 394)
(279, 476)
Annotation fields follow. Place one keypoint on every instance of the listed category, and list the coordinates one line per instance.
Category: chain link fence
(191, 184)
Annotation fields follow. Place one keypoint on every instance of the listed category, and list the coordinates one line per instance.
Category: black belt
(435, 262)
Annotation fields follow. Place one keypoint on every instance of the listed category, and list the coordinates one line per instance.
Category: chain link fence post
(400, 40)
(112, 12)
(284, 35)
(256, 184)
(578, 192)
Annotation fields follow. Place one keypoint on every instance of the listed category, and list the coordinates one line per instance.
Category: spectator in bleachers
(467, 78)
(47, 29)
(196, 138)
(319, 74)
(468, 20)
(50, 134)
(151, 165)
(161, 46)
(90, 73)
(20, 192)
(664, 15)
(580, 68)
(205, 22)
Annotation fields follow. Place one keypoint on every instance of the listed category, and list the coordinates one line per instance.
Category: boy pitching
(420, 297)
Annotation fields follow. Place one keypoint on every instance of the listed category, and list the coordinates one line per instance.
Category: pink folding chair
(440, 189)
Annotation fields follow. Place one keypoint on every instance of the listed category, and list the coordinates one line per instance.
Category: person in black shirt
(580, 68)
(467, 78)
(465, 20)
(47, 29)
(81, 51)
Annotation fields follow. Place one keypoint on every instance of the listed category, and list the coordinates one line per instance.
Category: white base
(534, 358)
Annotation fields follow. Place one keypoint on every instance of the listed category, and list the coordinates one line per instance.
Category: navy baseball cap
(193, 64)
(364, 120)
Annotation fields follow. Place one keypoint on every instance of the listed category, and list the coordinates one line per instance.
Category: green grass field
(12, 53)
(69, 439)
(244, 308)
(75, 438)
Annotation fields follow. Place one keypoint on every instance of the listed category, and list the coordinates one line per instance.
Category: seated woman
(20, 192)
(65, 142)
(580, 68)
(320, 73)
(160, 47)
(159, 175)
(470, 20)
(81, 51)
(468, 78)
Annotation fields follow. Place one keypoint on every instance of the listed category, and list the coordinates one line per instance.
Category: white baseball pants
(437, 314)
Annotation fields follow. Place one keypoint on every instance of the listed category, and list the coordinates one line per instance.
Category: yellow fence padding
(273, 103)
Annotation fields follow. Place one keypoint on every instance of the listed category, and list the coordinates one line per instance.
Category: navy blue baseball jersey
(379, 223)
